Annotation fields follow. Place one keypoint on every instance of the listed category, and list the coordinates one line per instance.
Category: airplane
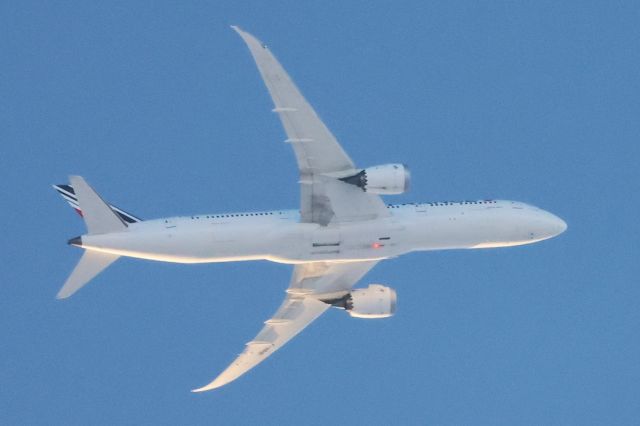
(342, 229)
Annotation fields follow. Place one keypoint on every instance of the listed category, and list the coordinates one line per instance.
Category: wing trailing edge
(293, 316)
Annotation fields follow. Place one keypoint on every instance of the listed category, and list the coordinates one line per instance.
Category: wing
(310, 284)
(321, 159)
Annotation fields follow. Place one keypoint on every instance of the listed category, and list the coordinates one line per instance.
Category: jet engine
(388, 179)
(375, 301)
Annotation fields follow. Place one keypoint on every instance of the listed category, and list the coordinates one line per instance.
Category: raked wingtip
(208, 387)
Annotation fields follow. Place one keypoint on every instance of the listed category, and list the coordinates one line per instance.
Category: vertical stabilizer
(91, 264)
(97, 214)
(69, 195)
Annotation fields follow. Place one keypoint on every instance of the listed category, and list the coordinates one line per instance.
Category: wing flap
(328, 277)
(327, 200)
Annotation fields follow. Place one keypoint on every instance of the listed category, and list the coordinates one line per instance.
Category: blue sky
(160, 107)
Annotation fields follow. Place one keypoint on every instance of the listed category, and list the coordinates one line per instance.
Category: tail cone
(77, 241)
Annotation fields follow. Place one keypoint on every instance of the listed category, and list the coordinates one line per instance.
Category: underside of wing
(327, 200)
(291, 318)
(325, 280)
(310, 284)
(316, 149)
(320, 157)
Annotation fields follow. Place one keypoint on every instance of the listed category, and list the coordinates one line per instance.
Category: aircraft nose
(555, 226)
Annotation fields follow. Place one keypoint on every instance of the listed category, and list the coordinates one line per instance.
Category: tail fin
(69, 195)
(91, 264)
(97, 214)
(100, 219)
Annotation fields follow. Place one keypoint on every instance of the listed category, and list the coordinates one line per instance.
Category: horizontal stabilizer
(97, 214)
(91, 264)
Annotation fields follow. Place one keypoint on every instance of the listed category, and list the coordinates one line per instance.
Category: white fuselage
(279, 236)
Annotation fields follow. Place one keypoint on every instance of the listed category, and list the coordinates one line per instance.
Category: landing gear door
(326, 240)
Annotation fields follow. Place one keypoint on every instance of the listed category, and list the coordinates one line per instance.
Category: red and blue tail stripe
(67, 192)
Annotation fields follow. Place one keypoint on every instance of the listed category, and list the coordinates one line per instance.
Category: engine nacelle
(375, 301)
(388, 179)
